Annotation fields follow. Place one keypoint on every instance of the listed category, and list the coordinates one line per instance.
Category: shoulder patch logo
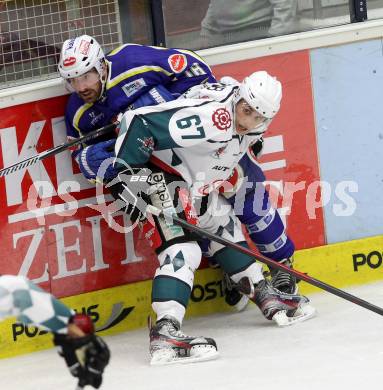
(221, 119)
(177, 62)
(147, 145)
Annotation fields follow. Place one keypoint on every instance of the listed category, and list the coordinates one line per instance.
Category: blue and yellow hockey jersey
(133, 71)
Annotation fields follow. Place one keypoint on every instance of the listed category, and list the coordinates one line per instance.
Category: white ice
(342, 348)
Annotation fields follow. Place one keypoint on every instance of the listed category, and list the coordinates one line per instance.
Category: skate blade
(207, 354)
(304, 313)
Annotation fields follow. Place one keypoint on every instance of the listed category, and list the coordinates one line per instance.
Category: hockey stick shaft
(57, 149)
(299, 275)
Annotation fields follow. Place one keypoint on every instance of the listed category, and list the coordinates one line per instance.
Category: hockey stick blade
(299, 275)
(57, 149)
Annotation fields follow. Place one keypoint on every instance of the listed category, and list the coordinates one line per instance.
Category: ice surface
(342, 348)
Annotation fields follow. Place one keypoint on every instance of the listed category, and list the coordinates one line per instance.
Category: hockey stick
(299, 275)
(57, 149)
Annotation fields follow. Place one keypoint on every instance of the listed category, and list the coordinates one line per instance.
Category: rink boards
(127, 307)
(322, 159)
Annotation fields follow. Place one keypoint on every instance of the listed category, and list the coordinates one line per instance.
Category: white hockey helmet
(262, 92)
(80, 55)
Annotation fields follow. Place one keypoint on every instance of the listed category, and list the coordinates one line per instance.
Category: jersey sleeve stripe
(77, 116)
(133, 72)
(118, 49)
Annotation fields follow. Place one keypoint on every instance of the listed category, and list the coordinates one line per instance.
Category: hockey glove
(131, 189)
(86, 357)
(96, 161)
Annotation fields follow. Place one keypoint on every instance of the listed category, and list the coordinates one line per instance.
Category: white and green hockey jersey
(193, 136)
(32, 306)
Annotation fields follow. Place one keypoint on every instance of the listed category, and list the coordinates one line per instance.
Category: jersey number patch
(191, 123)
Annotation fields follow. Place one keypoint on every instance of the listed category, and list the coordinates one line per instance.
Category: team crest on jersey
(177, 62)
(69, 61)
(221, 119)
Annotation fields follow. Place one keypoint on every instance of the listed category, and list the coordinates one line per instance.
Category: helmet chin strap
(260, 129)
(103, 81)
(103, 84)
(234, 104)
(68, 87)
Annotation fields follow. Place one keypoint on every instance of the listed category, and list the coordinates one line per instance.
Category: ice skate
(169, 345)
(233, 297)
(287, 283)
(283, 308)
(284, 281)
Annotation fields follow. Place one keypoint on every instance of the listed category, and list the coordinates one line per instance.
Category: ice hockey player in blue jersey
(108, 85)
(72, 333)
(133, 76)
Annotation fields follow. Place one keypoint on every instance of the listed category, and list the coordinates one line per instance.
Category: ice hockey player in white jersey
(133, 76)
(85, 354)
(179, 155)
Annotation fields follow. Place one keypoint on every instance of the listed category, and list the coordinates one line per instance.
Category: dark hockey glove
(86, 357)
(131, 189)
(257, 147)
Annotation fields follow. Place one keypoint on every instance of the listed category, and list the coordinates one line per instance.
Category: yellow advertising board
(127, 307)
